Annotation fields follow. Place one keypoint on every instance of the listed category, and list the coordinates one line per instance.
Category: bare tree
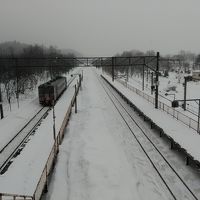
(9, 90)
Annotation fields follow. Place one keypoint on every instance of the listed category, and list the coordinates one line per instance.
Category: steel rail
(22, 141)
(21, 130)
(13, 152)
(159, 173)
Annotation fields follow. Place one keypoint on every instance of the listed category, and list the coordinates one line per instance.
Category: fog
(103, 27)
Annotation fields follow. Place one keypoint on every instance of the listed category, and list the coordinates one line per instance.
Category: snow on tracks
(28, 174)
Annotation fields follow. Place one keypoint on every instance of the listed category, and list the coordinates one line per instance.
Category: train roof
(52, 82)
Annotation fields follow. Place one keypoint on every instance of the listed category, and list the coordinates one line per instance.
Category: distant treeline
(187, 58)
(23, 66)
(17, 49)
(183, 61)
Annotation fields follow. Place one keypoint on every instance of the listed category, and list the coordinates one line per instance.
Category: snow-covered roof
(196, 71)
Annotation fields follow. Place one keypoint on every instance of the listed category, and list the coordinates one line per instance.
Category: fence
(43, 181)
(162, 106)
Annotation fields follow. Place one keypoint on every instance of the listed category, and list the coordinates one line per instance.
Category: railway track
(175, 184)
(12, 147)
(16, 144)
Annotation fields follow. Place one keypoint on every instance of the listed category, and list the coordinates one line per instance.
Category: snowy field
(165, 83)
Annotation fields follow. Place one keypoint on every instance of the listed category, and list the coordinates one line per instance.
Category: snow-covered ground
(15, 119)
(99, 158)
(28, 97)
(186, 137)
(24, 173)
(12, 123)
(165, 83)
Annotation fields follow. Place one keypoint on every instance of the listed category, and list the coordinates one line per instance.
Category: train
(50, 91)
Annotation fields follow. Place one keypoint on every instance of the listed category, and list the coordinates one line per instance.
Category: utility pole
(152, 83)
(50, 70)
(1, 106)
(17, 82)
(54, 122)
(127, 70)
(198, 118)
(143, 74)
(147, 78)
(185, 91)
(157, 79)
(76, 88)
(113, 70)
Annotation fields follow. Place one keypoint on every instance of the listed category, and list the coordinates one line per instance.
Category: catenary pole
(157, 80)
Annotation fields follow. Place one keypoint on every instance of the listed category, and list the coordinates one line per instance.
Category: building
(196, 74)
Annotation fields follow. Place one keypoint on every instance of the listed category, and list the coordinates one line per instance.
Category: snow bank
(182, 134)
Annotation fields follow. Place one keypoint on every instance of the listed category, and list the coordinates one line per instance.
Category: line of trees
(182, 62)
(23, 67)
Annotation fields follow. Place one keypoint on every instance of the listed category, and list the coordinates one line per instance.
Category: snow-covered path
(99, 158)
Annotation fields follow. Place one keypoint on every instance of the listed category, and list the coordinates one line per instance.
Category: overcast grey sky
(103, 27)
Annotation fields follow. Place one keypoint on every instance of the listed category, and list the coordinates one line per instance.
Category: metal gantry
(114, 63)
(148, 62)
